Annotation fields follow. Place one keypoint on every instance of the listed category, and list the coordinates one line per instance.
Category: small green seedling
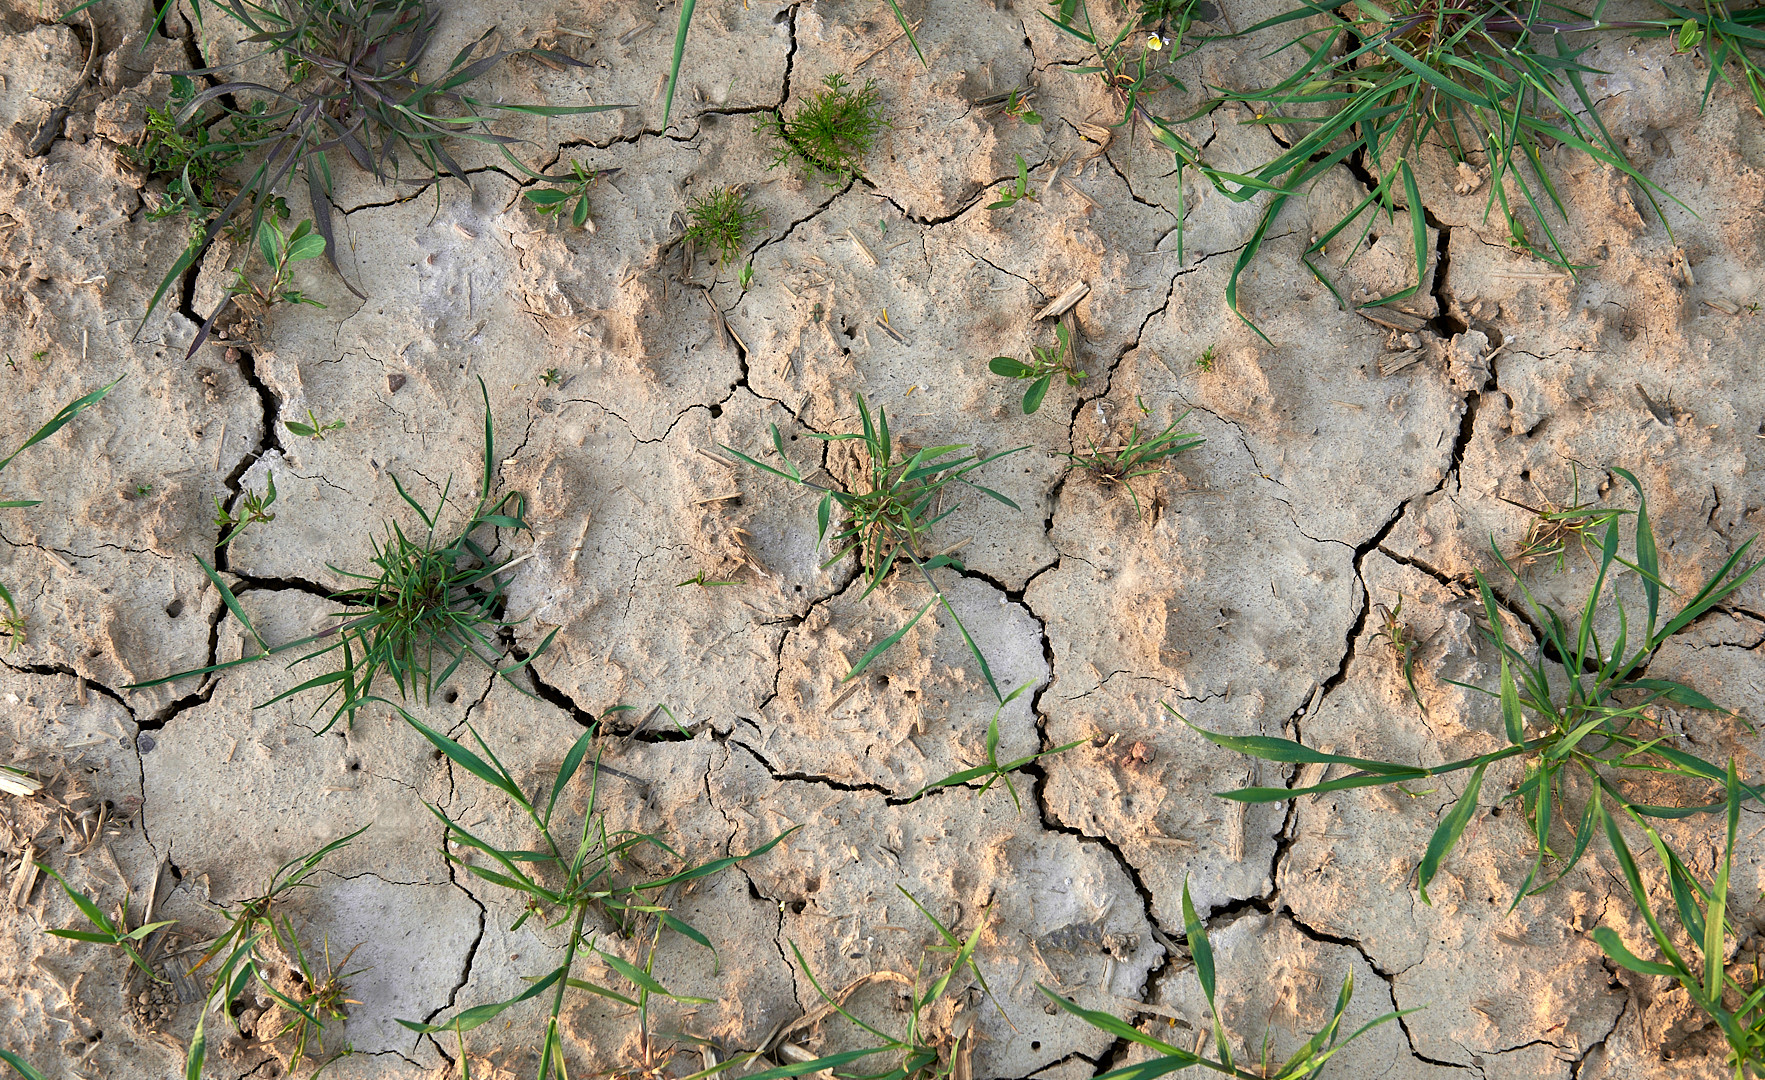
(564, 875)
(1010, 196)
(1400, 638)
(1057, 359)
(889, 517)
(550, 377)
(426, 606)
(1592, 720)
(702, 582)
(553, 200)
(1204, 362)
(11, 622)
(143, 490)
(746, 275)
(313, 428)
(723, 222)
(253, 510)
(1018, 105)
(1303, 1065)
(106, 931)
(992, 770)
(831, 132)
(1737, 1006)
(1136, 457)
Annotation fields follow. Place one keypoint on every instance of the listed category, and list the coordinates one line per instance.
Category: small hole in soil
(799, 588)
(716, 411)
(1037, 1045)
(174, 609)
(797, 906)
(450, 696)
(1525, 475)
(435, 755)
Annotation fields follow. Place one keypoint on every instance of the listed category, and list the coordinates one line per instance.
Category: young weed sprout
(1305, 1062)
(992, 770)
(425, 607)
(1057, 359)
(1010, 196)
(1137, 456)
(350, 87)
(1574, 710)
(721, 222)
(889, 518)
(564, 875)
(253, 510)
(254, 949)
(554, 200)
(11, 621)
(831, 132)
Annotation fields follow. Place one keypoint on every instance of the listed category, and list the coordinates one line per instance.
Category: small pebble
(145, 742)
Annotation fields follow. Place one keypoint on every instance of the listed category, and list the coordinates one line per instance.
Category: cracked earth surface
(1244, 597)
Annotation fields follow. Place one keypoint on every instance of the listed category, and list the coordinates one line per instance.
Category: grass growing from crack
(1375, 82)
(426, 606)
(722, 222)
(254, 509)
(12, 622)
(1304, 1063)
(1136, 456)
(187, 155)
(1736, 1006)
(350, 88)
(889, 516)
(566, 874)
(830, 132)
(1575, 710)
(255, 949)
(1045, 363)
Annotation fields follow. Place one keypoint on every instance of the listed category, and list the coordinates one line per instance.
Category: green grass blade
(1448, 832)
(686, 19)
(20, 1065)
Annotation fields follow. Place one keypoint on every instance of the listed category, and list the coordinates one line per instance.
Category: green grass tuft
(722, 221)
(1578, 713)
(428, 604)
(830, 132)
(889, 516)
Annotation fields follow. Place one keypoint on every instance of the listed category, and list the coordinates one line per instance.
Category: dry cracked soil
(1346, 464)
